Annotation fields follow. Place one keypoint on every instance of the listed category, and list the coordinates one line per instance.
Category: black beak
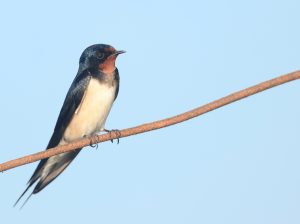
(118, 52)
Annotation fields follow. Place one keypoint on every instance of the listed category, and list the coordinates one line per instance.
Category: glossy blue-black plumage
(88, 68)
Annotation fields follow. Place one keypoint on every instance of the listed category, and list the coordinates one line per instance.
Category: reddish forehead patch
(109, 49)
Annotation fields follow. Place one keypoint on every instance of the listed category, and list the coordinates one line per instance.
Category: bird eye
(100, 55)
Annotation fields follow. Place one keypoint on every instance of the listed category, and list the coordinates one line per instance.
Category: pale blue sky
(239, 164)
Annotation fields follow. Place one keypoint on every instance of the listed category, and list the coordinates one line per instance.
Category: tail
(23, 195)
(47, 170)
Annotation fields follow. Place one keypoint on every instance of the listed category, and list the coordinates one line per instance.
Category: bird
(84, 111)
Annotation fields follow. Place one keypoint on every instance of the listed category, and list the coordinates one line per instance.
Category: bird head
(99, 56)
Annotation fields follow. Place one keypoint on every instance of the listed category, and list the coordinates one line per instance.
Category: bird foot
(94, 145)
(116, 131)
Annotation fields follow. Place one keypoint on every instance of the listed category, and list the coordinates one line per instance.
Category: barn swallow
(84, 111)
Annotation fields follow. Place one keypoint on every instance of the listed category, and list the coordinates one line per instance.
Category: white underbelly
(92, 112)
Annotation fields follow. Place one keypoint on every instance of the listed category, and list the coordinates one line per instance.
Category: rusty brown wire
(153, 125)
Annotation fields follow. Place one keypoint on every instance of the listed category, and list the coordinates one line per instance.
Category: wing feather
(72, 101)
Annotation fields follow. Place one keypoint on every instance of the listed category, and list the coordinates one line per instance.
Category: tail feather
(26, 200)
(55, 169)
(48, 171)
(29, 185)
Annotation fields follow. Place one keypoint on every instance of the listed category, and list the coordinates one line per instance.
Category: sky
(237, 164)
